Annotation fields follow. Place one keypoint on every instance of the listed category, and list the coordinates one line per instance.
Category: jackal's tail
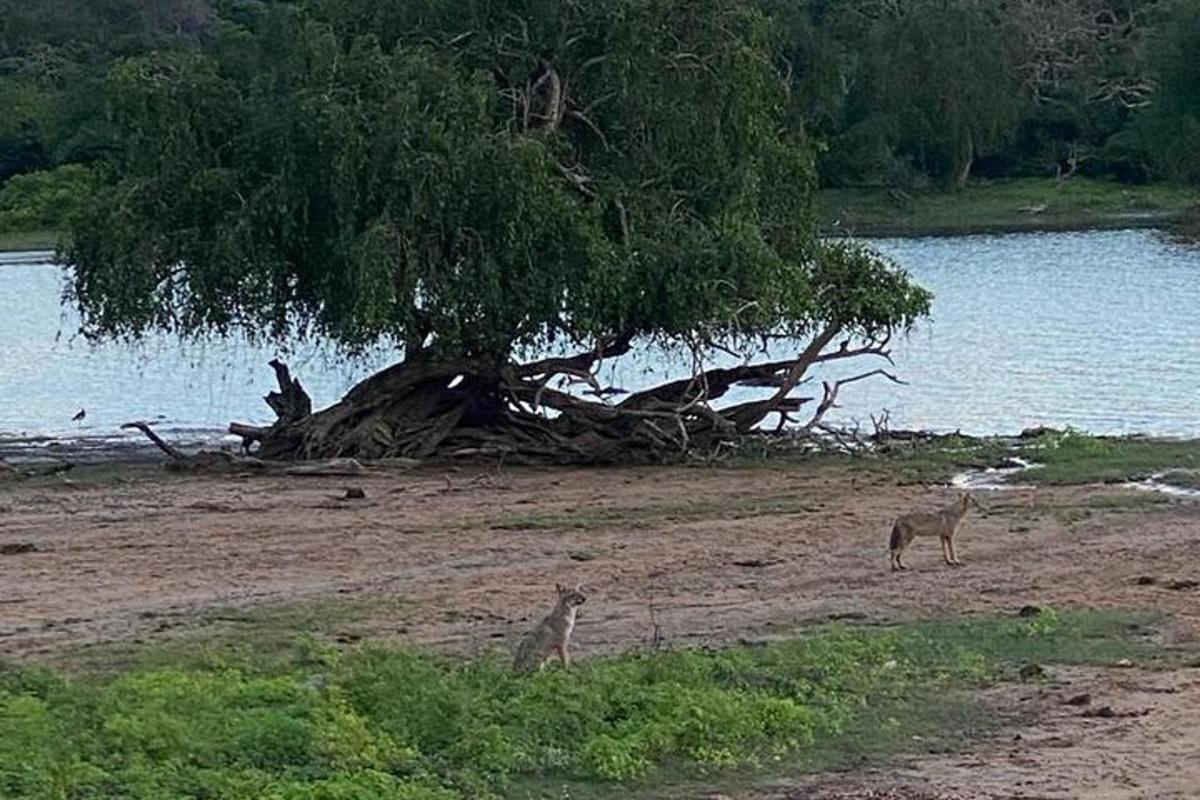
(894, 542)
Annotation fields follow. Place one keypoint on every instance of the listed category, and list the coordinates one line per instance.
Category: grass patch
(259, 638)
(1068, 457)
(995, 206)
(920, 461)
(385, 723)
(1073, 458)
(1183, 478)
(28, 240)
(724, 508)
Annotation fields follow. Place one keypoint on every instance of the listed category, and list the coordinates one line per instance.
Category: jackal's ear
(558, 587)
(579, 588)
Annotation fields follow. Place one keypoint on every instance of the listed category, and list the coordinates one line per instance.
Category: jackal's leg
(953, 554)
(946, 550)
(562, 655)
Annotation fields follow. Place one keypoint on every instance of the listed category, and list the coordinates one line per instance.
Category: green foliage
(330, 170)
(396, 724)
(996, 206)
(1073, 457)
(1172, 124)
(44, 200)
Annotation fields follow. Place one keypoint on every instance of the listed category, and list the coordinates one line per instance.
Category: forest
(897, 93)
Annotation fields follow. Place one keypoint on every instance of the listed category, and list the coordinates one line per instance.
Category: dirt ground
(466, 559)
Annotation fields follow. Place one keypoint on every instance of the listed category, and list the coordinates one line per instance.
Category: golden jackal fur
(941, 524)
(551, 634)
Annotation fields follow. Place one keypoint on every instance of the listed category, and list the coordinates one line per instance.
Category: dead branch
(829, 401)
(144, 427)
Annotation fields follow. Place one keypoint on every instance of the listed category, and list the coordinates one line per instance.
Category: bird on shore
(79, 417)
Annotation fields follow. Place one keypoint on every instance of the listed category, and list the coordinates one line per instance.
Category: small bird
(79, 417)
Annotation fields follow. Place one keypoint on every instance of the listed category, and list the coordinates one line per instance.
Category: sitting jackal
(941, 524)
(552, 634)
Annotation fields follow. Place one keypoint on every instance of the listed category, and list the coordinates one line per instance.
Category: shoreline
(881, 229)
(985, 206)
(1016, 205)
(904, 230)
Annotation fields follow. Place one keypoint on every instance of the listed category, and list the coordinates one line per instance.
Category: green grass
(995, 206)
(28, 240)
(1183, 478)
(261, 637)
(1065, 458)
(387, 723)
(1074, 458)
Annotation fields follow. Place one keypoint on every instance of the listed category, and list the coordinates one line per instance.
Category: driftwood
(203, 461)
(220, 461)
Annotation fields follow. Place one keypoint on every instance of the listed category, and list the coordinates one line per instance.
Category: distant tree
(928, 84)
(512, 194)
(1171, 124)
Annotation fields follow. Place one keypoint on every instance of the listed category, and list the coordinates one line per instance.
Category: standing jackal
(941, 524)
(552, 634)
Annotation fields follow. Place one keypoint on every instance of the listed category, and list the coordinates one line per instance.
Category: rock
(17, 548)
(1029, 611)
(1037, 432)
(1031, 671)
(1183, 585)
(355, 493)
(1103, 711)
(1079, 700)
(1146, 580)
(1125, 663)
(757, 563)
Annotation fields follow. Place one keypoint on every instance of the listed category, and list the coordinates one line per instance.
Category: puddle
(1155, 483)
(993, 478)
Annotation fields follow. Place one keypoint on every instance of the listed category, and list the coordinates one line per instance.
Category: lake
(1097, 330)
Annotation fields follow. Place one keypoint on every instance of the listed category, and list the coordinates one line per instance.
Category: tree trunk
(965, 162)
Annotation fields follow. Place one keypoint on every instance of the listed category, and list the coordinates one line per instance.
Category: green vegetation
(28, 240)
(44, 200)
(1073, 458)
(380, 723)
(1003, 205)
(1183, 478)
(1063, 458)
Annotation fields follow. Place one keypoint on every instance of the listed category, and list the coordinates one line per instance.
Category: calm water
(1096, 330)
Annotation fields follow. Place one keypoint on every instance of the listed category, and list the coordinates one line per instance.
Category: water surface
(1097, 330)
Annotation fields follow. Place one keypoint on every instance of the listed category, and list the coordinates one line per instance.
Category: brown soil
(704, 555)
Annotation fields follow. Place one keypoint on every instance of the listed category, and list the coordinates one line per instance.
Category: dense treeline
(891, 92)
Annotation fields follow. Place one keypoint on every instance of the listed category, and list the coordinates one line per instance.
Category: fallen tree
(423, 409)
(475, 187)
